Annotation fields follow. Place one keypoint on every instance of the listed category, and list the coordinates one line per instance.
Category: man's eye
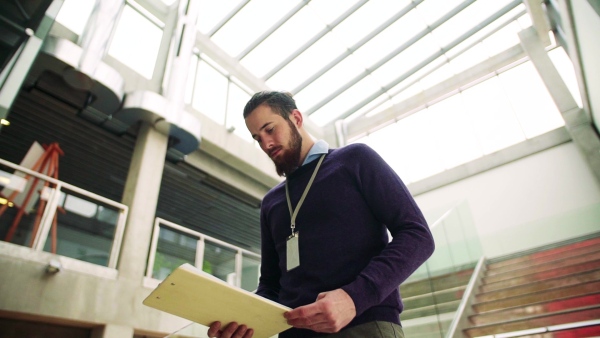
(270, 130)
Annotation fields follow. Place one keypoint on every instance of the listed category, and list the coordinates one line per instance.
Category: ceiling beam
(452, 85)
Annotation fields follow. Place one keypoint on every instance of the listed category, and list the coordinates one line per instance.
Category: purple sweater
(343, 239)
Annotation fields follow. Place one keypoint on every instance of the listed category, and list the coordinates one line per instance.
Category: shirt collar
(320, 147)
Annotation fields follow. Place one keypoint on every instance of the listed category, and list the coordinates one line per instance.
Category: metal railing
(79, 223)
(173, 245)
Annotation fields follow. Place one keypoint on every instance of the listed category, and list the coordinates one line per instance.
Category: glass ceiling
(362, 61)
(337, 56)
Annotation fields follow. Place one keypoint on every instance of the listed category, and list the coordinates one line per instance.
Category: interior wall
(541, 199)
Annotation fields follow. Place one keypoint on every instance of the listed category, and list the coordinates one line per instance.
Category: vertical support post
(141, 196)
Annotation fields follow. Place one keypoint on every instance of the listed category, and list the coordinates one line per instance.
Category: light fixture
(7, 202)
(53, 266)
(4, 122)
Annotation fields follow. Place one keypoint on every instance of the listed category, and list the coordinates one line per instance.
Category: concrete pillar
(141, 195)
(113, 331)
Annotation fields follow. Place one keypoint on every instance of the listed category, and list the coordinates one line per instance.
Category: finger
(303, 311)
(249, 333)
(239, 333)
(213, 329)
(321, 295)
(229, 330)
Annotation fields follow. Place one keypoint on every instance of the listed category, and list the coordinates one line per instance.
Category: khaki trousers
(376, 329)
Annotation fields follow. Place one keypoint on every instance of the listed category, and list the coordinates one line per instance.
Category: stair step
(535, 309)
(557, 318)
(433, 298)
(579, 332)
(565, 249)
(538, 297)
(538, 274)
(539, 286)
(438, 283)
(430, 310)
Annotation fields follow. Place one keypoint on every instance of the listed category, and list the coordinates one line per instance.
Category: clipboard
(193, 294)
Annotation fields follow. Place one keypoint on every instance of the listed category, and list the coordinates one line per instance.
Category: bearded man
(325, 251)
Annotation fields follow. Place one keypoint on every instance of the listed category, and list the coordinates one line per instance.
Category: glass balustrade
(49, 215)
(433, 293)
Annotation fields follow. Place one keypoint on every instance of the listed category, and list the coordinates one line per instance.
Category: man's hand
(232, 330)
(330, 313)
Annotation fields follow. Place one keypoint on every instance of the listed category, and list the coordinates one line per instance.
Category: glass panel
(235, 106)
(211, 12)
(391, 38)
(345, 101)
(366, 19)
(318, 55)
(502, 40)
(333, 79)
(219, 261)
(191, 80)
(283, 42)
(74, 14)
(250, 273)
(138, 54)
(565, 68)
(84, 229)
(210, 92)
(21, 205)
(329, 10)
(244, 28)
(432, 10)
(173, 249)
(532, 103)
(493, 119)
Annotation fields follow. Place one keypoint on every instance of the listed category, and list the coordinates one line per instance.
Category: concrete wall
(541, 199)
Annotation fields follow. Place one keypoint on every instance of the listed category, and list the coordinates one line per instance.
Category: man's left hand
(330, 313)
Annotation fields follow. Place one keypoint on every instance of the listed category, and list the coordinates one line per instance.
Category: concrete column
(113, 331)
(141, 195)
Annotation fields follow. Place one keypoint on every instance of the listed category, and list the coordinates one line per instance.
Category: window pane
(138, 54)
(219, 261)
(210, 93)
(74, 14)
(235, 107)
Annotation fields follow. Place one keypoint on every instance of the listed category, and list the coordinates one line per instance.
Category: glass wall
(49, 215)
(174, 245)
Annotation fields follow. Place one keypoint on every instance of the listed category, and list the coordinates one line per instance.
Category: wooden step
(534, 287)
(535, 309)
(538, 297)
(556, 318)
(561, 250)
(559, 271)
(433, 298)
(447, 281)
(578, 332)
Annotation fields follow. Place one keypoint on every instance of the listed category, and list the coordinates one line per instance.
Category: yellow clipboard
(203, 298)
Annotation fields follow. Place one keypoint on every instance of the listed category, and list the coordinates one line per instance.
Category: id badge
(293, 252)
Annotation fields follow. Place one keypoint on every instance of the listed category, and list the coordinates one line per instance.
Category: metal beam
(458, 82)
(357, 45)
(388, 57)
(315, 38)
(538, 19)
(577, 122)
(228, 17)
(433, 69)
(273, 28)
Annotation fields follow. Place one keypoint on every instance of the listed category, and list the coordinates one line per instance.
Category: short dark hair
(281, 102)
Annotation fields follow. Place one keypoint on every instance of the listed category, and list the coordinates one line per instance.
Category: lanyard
(294, 213)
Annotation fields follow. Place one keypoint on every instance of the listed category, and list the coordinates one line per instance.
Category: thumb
(322, 295)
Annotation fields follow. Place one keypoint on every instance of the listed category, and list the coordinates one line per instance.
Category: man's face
(278, 137)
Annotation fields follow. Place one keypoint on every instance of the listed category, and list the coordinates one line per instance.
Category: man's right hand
(232, 330)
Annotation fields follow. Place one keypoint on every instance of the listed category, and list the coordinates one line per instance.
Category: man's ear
(297, 118)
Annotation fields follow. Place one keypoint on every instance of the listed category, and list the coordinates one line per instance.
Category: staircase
(550, 293)
(430, 304)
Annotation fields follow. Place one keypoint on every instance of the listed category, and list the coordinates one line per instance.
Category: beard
(289, 159)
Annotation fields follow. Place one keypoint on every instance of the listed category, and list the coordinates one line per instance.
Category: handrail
(46, 221)
(461, 314)
(64, 184)
(202, 238)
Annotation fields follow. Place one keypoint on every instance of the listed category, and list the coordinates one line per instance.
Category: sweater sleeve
(392, 204)
(268, 284)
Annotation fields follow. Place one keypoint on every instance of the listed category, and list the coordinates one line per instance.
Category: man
(325, 250)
